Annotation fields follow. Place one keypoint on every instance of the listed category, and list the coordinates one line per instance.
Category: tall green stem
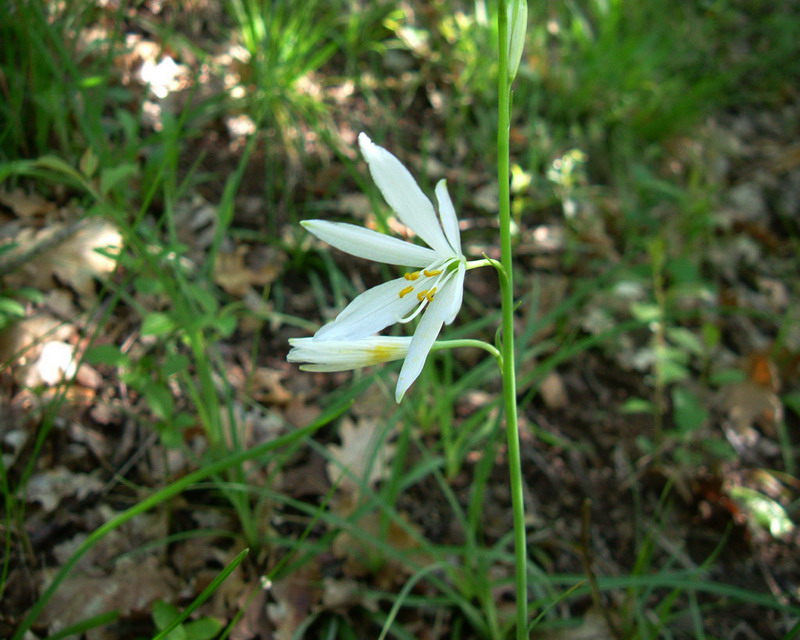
(507, 293)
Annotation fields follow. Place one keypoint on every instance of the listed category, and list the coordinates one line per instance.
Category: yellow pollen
(406, 291)
(381, 353)
(430, 293)
(434, 272)
(412, 276)
(422, 295)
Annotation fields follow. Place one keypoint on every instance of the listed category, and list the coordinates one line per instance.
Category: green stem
(441, 345)
(508, 367)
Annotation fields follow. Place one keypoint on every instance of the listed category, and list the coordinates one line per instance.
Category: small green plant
(201, 629)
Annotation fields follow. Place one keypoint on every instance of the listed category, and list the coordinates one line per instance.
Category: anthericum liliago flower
(434, 289)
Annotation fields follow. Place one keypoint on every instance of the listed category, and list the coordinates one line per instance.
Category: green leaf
(88, 163)
(11, 307)
(174, 363)
(29, 293)
(637, 405)
(688, 340)
(711, 335)
(111, 177)
(170, 438)
(159, 399)
(164, 613)
(727, 376)
(671, 371)
(54, 163)
(226, 325)
(156, 324)
(687, 410)
(106, 354)
(206, 299)
(792, 401)
(146, 285)
(765, 511)
(202, 629)
(645, 312)
(181, 420)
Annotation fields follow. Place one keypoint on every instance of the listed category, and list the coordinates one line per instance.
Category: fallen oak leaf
(26, 205)
(363, 458)
(68, 253)
(233, 273)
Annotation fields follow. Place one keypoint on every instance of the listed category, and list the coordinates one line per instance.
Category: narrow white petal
(403, 194)
(371, 312)
(344, 355)
(447, 213)
(365, 243)
(454, 291)
(427, 330)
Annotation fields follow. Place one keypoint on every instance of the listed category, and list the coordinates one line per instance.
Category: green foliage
(622, 69)
(200, 629)
(61, 84)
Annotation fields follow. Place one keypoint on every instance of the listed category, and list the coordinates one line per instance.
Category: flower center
(428, 281)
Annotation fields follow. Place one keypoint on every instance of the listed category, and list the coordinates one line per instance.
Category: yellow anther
(434, 272)
(412, 276)
(429, 294)
(422, 295)
(406, 291)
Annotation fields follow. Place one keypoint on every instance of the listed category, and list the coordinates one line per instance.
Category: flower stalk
(506, 276)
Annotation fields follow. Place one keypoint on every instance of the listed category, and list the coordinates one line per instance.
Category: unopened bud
(517, 26)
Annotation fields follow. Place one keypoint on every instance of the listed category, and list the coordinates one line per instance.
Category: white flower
(343, 355)
(434, 289)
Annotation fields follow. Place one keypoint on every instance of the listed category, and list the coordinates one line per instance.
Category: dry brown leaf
(300, 414)
(75, 261)
(343, 594)
(254, 623)
(361, 557)
(363, 458)
(295, 597)
(50, 487)
(133, 587)
(593, 627)
(553, 391)
(26, 205)
(22, 341)
(266, 386)
(307, 479)
(748, 403)
(357, 205)
(143, 529)
(237, 275)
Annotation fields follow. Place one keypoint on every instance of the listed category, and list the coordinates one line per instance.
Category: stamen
(422, 295)
(432, 272)
(414, 313)
(412, 276)
(429, 295)
(406, 291)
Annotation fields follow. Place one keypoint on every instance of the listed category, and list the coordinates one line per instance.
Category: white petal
(371, 312)
(365, 243)
(403, 194)
(424, 337)
(344, 355)
(447, 213)
(454, 291)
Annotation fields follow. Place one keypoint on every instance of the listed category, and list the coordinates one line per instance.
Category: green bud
(517, 25)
